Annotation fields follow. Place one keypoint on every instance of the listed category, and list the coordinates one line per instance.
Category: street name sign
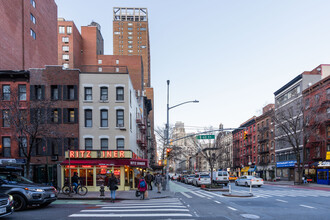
(205, 137)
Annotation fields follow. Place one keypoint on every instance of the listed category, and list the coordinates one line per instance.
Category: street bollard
(250, 188)
(229, 189)
(102, 190)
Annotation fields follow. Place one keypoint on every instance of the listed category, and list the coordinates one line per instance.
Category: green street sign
(205, 137)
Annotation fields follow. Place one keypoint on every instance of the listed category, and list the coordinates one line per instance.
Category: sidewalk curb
(108, 198)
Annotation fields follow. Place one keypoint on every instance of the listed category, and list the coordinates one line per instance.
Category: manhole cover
(250, 216)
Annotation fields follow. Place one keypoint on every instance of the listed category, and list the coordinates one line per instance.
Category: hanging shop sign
(324, 164)
(328, 155)
(289, 163)
(86, 154)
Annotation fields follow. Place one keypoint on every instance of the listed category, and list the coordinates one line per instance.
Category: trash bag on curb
(137, 193)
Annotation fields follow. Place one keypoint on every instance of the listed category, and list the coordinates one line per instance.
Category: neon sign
(113, 154)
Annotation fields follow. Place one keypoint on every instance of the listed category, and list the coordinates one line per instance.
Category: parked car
(183, 178)
(220, 177)
(232, 178)
(175, 177)
(6, 204)
(249, 180)
(202, 179)
(24, 191)
(189, 179)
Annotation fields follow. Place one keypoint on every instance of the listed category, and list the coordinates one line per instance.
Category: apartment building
(28, 34)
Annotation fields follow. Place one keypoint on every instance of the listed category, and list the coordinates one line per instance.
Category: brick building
(266, 143)
(28, 34)
(317, 113)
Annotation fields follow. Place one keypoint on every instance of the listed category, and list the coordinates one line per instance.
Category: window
(38, 146)
(143, 46)
(130, 51)
(117, 61)
(88, 118)
(22, 92)
(69, 30)
(88, 144)
(38, 92)
(65, 56)
(130, 46)
(120, 94)
(130, 121)
(6, 147)
(120, 118)
(71, 115)
(54, 146)
(143, 29)
(328, 93)
(130, 33)
(33, 3)
(104, 118)
(307, 103)
(100, 69)
(130, 37)
(120, 143)
(104, 144)
(6, 92)
(117, 32)
(317, 98)
(130, 41)
(104, 93)
(117, 69)
(61, 29)
(22, 146)
(5, 118)
(129, 29)
(88, 94)
(130, 24)
(328, 131)
(32, 18)
(99, 61)
(33, 34)
(65, 39)
(65, 66)
(65, 48)
(54, 116)
(54, 92)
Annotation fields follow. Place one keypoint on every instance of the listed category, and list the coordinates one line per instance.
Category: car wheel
(259, 185)
(226, 184)
(236, 183)
(19, 202)
(246, 184)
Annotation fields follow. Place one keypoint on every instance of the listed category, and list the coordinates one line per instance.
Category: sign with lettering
(138, 163)
(107, 154)
(289, 163)
(324, 164)
(328, 155)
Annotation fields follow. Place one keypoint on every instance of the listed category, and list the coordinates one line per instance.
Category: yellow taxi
(232, 178)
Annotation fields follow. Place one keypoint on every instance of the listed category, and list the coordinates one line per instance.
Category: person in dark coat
(149, 180)
(112, 184)
(142, 187)
(75, 181)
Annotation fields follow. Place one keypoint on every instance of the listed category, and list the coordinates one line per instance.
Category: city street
(190, 202)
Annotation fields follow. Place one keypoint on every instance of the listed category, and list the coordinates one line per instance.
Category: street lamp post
(168, 123)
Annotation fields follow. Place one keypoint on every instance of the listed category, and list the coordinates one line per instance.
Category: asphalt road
(190, 202)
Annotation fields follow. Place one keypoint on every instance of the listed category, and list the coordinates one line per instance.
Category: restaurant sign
(90, 154)
(324, 164)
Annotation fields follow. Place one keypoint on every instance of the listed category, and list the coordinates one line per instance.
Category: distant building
(224, 141)
(28, 34)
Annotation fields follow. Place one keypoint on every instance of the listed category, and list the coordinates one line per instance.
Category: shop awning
(245, 169)
(143, 163)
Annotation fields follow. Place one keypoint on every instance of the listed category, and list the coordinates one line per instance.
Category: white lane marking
(186, 195)
(214, 194)
(149, 206)
(306, 206)
(131, 215)
(204, 194)
(231, 208)
(139, 204)
(217, 202)
(135, 210)
(198, 194)
(281, 200)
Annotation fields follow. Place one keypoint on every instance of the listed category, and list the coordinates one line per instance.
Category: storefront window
(322, 175)
(67, 175)
(101, 177)
(286, 173)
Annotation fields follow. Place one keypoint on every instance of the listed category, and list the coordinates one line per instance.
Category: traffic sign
(205, 136)
(328, 155)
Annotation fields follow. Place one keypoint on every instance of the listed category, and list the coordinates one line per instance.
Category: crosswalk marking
(150, 206)
(281, 200)
(197, 194)
(186, 195)
(306, 206)
(134, 210)
(132, 215)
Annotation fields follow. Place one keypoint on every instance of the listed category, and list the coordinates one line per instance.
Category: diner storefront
(95, 167)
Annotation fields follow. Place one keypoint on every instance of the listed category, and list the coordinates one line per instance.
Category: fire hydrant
(102, 190)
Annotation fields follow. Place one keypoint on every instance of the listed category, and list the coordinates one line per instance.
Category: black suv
(24, 191)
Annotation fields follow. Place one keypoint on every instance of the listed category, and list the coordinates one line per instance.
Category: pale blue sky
(230, 55)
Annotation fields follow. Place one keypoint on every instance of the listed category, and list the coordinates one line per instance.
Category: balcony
(262, 140)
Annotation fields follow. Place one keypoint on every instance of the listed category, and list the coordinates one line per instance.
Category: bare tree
(291, 124)
(29, 124)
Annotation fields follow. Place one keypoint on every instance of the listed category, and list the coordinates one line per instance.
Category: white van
(221, 177)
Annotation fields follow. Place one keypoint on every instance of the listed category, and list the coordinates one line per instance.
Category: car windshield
(205, 176)
(15, 178)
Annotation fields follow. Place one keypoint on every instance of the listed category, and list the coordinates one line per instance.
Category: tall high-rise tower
(131, 36)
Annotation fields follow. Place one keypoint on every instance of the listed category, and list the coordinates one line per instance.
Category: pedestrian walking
(149, 180)
(142, 187)
(112, 184)
(158, 182)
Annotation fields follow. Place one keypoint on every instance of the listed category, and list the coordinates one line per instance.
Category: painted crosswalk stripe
(186, 195)
(205, 194)
(281, 200)
(135, 210)
(149, 206)
(133, 215)
(306, 206)
(231, 208)
(138, 204)
(197, 194)
(217, 202)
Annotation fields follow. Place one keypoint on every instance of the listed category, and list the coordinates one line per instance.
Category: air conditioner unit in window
(54, 158)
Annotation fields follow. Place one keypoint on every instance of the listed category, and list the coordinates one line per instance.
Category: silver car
(249, 180)
(202, 179)
(189, 179)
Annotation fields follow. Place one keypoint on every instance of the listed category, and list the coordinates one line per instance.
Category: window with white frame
(120, 93)
(120, 118)
(65, 56)
(120, 143)
(100, 69)
(61, 30)
(88, 144)
(104, 118)
(65, 39)
(99, 61)
(130, 51)
(6, 92)
(130, 33)
(88, 118)
(117, 69)
(65, 48)
(88, 94)
(104, 93)
(22, 92)
(69, 30)
(65, 66)
(117, 61)
(104, 144)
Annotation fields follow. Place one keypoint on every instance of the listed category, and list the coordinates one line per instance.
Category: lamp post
(168, 119)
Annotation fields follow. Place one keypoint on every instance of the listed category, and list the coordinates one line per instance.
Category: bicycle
(81, 190)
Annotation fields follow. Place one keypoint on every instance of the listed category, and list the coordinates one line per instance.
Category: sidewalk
(120, 195)
(302, 186)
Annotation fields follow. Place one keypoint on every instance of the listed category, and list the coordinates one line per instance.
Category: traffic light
(245, 135)
(168, 150)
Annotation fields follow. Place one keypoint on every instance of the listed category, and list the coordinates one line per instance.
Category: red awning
(143, 163)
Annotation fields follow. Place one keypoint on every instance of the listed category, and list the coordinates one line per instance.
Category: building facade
(28, 34)
(224, 141)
